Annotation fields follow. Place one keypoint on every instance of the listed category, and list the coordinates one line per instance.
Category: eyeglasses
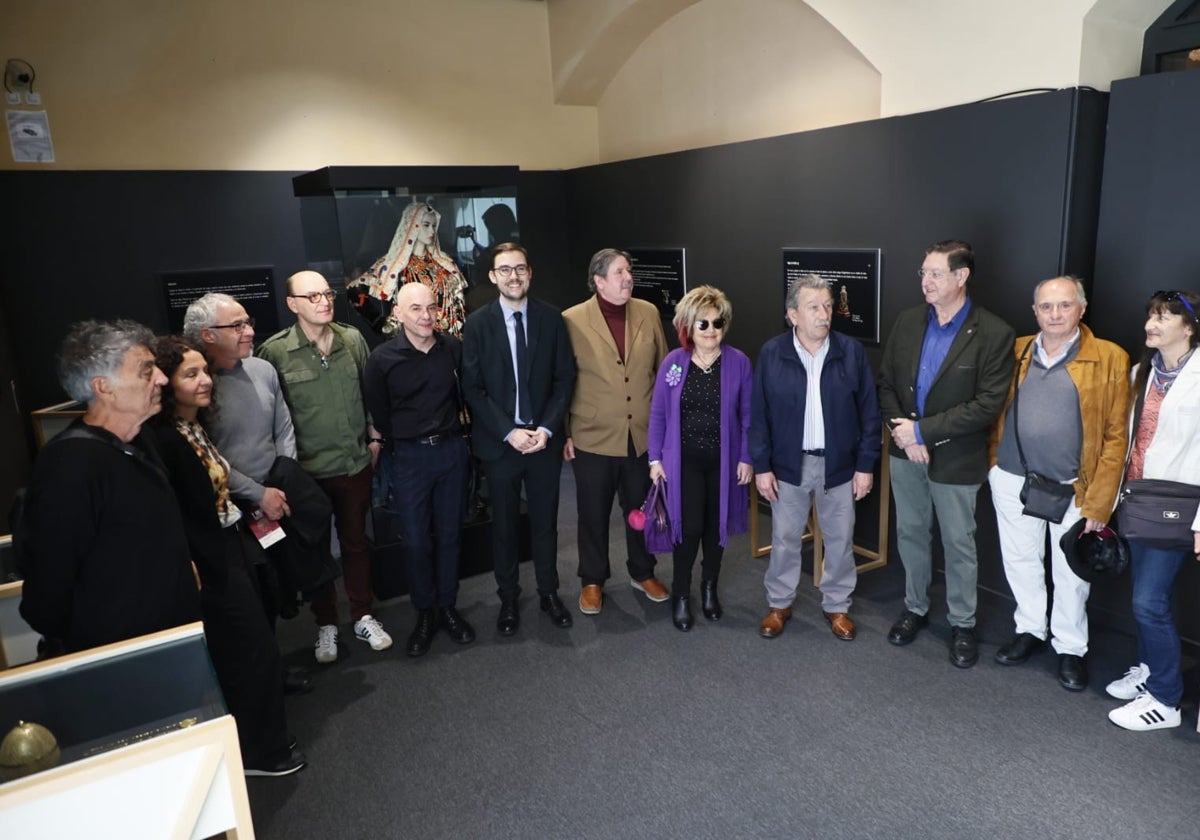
(236, 326)
(315, 297)
(717, 324)
(506, 271)
(934, 273)
(1167, 297)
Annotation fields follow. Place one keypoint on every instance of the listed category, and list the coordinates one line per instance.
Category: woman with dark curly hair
(240, 640)
(1165, 445)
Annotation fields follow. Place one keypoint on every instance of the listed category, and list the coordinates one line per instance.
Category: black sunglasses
(717, 323)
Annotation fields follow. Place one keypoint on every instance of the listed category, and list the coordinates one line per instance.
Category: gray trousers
(916, 500)
(789, 516)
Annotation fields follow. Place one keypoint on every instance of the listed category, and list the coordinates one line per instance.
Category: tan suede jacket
(1100, 372)
(612, 400)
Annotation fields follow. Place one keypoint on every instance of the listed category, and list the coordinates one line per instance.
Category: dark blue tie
(523, 408)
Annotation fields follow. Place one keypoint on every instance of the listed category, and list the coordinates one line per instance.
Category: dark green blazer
(967, 394)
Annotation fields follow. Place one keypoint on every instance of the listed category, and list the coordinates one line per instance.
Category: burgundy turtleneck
(614, 316)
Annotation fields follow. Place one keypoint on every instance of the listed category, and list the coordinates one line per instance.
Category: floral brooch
(674, 375)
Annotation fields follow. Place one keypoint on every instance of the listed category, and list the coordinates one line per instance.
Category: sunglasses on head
(717, 324)
(1167, 297)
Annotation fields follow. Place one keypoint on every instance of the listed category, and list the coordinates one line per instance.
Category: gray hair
(1072, 278)
(202, 313)
(806, 281)
(601, 260)
(96, 348)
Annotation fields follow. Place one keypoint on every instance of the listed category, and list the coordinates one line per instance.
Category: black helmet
(1096, 555)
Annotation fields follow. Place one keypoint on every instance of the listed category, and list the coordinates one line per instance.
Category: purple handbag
(657, 530)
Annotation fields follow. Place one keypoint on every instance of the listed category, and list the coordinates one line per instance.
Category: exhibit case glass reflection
(129, 739)
(369, 230)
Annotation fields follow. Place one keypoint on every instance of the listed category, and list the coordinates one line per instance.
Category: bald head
(305, 278)
(417, 310)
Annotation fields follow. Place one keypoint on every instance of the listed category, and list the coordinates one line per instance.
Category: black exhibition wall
(1149, 237)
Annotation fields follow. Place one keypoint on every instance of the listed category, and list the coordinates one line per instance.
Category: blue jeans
(429, 488)
(1154, 571)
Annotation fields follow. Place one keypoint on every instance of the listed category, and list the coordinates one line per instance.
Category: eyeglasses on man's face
(715, 323)
(315, 297)
(934, 273)
(236, 326)
(507, 271)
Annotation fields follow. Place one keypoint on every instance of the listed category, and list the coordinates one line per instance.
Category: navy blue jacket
(853, 428)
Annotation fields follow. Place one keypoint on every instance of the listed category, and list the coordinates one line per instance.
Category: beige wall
(727, 70)
(296, 84)
(299, 84)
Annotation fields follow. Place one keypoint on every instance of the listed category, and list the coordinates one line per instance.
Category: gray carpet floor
(624, 727)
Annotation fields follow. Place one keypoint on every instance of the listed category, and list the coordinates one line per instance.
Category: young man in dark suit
(518, 375)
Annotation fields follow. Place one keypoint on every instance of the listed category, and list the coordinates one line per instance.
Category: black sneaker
(294, 763)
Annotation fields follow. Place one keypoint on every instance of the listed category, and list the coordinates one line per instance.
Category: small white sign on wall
(29, 135)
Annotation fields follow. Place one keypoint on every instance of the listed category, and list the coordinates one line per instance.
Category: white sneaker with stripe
(1144, 713)
(1130, 685)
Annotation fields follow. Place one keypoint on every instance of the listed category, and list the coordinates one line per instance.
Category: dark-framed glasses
(507, 271)
(236, 326)
(715, 323)
(315, 297)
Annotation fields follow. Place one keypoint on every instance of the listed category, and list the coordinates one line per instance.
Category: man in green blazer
(942, 381)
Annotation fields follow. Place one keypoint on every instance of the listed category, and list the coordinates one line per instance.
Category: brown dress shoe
(772, 625)
(590, 599)
(654, 590)
(842, 625)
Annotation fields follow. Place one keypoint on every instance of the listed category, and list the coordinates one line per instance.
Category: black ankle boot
(709, 602)
(681, 612)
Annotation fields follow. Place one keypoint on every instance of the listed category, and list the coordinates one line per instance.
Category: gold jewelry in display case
(146, 745)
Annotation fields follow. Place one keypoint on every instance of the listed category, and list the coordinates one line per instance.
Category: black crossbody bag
(1042, 497)
(1156, 512)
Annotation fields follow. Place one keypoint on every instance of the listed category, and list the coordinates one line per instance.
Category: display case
(145, 746)
(49, 421)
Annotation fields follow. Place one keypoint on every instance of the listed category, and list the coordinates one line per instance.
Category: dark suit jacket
(967, 394)
(487, 374)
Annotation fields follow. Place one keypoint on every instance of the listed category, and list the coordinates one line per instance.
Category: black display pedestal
(388, 575)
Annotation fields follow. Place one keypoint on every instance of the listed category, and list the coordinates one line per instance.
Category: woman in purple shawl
(699, 418)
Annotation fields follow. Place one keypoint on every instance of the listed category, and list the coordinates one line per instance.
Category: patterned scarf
(217, 467)
(1162, 378)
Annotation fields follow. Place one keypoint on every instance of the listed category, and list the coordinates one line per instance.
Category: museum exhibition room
(770, 275)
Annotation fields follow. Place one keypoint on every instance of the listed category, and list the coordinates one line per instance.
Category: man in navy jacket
(815, 432)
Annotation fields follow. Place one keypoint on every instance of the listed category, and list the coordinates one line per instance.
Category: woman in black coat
(240, 639)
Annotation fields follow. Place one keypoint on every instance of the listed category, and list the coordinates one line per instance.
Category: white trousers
(1022, 543)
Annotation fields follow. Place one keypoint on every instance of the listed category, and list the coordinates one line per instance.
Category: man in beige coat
(618, 343)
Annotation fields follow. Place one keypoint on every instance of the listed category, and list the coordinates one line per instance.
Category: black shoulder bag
(1156, 512)
(1042, 497)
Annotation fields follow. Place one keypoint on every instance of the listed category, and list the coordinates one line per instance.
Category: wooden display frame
(876, 558)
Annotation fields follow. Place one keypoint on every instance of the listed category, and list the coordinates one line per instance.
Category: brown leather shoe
(590, 599)
(842, 625)
(772, 625)
(654, 590)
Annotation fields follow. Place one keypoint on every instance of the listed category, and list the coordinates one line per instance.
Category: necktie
(523, 407)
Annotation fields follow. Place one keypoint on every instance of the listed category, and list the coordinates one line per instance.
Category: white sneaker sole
(637, 584)
(1147, 721)
(374, 646)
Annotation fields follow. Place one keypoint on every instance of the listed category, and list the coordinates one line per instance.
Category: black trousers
(245, 656)
(597, 479)
(540, 472)
(700, 485)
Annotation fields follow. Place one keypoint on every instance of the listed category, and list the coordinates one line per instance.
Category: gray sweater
(253, 425)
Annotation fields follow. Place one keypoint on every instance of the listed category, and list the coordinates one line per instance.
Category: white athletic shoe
(327, 641)
(371, 631)
(1144, 713)
(1130, 685)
